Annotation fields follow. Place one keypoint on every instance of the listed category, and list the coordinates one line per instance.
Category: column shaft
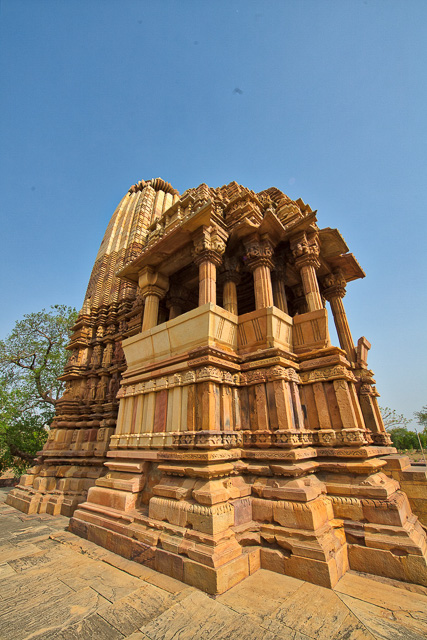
(311, 287)
(343, 330)
(279, 295)
(262, 286)
(174, 311)
(230, 297)
(151, 312)
(207, 282)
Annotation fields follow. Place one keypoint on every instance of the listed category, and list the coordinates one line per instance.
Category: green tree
(421, 417)
(31, 359)
(392, 419)
(405, 439)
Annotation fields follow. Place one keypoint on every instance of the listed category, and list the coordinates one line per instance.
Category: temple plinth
(223, 430)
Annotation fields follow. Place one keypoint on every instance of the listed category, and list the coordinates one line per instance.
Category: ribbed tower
(73, 456)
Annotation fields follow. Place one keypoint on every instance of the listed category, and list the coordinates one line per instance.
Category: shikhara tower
(209, 427)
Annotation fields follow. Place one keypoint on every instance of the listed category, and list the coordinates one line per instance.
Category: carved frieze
(208, 439)
(328, 373)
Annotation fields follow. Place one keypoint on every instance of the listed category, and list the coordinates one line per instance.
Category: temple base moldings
(213, 531)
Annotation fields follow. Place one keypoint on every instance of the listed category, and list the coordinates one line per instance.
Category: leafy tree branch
(32, 358)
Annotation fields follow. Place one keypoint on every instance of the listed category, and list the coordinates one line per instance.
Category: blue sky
(324, 99)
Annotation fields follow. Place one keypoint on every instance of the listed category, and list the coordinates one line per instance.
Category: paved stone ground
(55, 586)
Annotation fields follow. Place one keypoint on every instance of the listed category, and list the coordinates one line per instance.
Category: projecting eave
(349, 266)
(301, 224)
(332, 243)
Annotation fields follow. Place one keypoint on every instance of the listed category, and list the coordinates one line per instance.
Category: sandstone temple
(209, 427)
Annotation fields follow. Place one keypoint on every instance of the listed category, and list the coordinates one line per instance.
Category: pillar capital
(176, 300)
(230, 278)
(230, 271)
(153, 286)
(259, 258)
(305, 251)
(334, 285)
(152, 282)
(259, 252)
(334, 291)
(209, 245)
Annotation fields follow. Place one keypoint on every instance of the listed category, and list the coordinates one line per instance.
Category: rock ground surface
(56, 586)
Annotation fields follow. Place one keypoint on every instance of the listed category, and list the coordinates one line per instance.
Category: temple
(209, 427)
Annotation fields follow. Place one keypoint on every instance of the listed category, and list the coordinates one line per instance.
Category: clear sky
(324, 99)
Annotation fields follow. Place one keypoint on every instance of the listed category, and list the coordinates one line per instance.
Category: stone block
(113, 499)
(392, 563)
(393, 512)
(216, 581)
(242, 511)
(310, 515)
(169, 563)
(396, 462)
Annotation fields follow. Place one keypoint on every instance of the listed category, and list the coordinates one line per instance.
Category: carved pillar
(299, 301)
(153, 287)
(279, 294)
(209, 246)
(176, 300)
(175, 310)
(207, 279)
(231, 278)
(306, 255)
(334, 292)
(259, 252)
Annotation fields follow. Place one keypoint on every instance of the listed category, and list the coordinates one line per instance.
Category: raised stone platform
(57, 586)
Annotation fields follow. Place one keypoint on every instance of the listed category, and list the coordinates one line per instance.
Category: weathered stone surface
(93, 626)
(323, 612)
(197, 616)
(50, 612)
(256, 597)
(385, 623)
(382, 595)
(138, 609)
(353, 629)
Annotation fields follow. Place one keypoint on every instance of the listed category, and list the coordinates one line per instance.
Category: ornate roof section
(158, 184)
(287, 210)
(153, 209)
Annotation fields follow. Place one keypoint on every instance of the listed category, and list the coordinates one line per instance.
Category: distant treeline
(405, 439)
